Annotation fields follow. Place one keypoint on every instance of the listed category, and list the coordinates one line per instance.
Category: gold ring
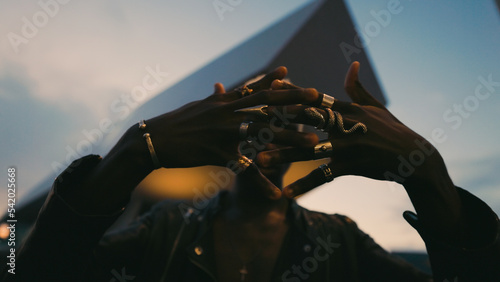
(241, 165)
(244, 91)
(258, 111)
(323, 150)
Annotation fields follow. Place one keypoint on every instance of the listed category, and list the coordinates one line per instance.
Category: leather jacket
(173, 242)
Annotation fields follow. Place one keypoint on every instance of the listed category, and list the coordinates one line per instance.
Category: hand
(206, 132)
(375, 154)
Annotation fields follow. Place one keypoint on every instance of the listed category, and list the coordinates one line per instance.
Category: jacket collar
(201, 251)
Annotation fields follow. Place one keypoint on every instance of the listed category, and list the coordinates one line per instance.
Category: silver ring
(243, 132)
(336, 118)
(327, 101)
(313, 113)
(327, 172)
(323, 150)
(142, 124)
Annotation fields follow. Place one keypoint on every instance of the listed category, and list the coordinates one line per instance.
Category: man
(255, 231)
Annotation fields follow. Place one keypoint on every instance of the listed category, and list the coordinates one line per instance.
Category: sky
(430, 57)
(63, 63)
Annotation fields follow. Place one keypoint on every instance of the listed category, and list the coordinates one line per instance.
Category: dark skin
(257, 226)
(186, 138)
(247, 233)
(371, 155)
(375, 153)
(205, 133)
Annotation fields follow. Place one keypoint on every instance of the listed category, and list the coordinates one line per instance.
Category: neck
(247, 202)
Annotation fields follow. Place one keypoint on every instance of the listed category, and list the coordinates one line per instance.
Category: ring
(327, 172)
(323, 150)
(244, 91)
(312, 113)
(258, 111)
(242, 164)
(151, 148)
(336, 118)
(327, 101)
(243, 132)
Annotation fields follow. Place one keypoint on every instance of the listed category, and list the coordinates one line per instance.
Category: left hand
(375, 154)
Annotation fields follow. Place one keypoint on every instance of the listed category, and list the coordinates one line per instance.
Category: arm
(88, 197)
(448, 218)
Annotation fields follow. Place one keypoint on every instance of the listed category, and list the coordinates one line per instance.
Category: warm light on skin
(4, 231)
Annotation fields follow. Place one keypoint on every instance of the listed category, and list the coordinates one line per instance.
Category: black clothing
(174, 242)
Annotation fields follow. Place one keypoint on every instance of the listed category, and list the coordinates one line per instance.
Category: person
(256, 231)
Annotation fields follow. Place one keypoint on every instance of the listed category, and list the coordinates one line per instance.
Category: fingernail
(277, 84)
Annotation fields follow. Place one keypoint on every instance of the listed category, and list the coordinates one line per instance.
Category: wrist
(133, 149)
(432, 172)
(436, 199)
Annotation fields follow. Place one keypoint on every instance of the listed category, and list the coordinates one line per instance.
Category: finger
(264, 133)
(281, 84)
(356, 91)
(304, 114)
(265, 82)
(284, 155)
(253, 174)
(305, 184)
(337, 105)
(219, 88)
(261, 84)
(277, 97)
(326, 149)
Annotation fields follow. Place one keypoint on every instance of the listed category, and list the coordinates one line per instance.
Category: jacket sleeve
(478, 256)
(61, 245)
(374, 263)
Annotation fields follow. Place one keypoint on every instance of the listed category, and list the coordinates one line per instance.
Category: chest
(247, 252)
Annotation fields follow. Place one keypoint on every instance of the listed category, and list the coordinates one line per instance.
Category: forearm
(108, 186)
(460, 231)
(84, 202)
(436, 200)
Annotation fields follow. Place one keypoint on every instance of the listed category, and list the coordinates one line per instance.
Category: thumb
(351, 77)
(356, 91)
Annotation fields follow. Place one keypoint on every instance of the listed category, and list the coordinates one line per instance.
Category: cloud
(34, 131)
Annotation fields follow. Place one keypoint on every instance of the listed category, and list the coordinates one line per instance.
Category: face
(276, 172)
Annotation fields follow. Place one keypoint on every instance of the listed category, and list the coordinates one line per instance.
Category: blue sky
(429, 57)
